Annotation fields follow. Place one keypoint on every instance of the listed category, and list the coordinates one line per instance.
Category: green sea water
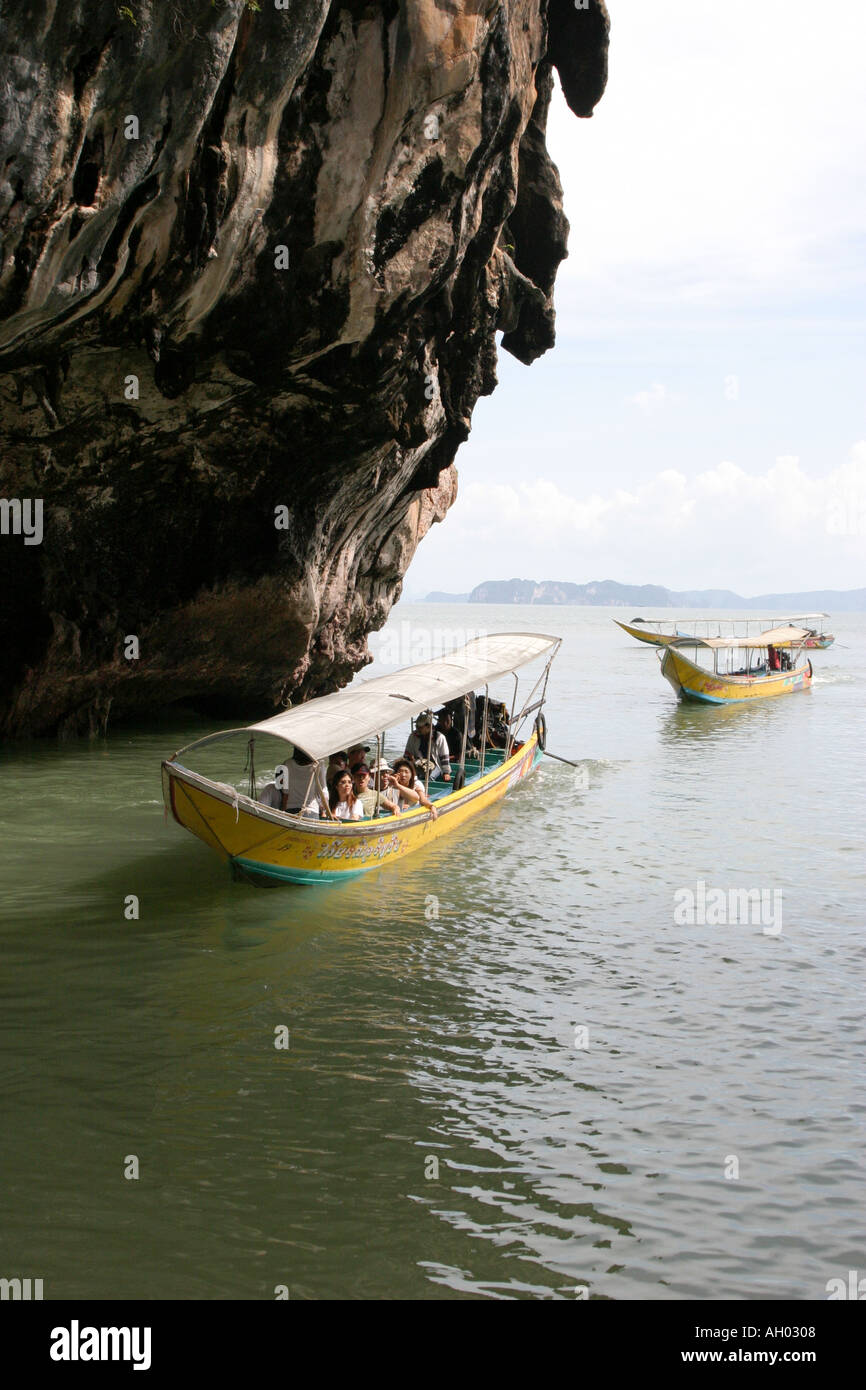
(511, 1073)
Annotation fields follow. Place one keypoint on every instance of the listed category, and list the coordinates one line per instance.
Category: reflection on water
(509, 1073)
(689, 722)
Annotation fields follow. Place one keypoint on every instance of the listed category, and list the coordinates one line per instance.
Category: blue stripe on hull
(273, 872)
(706, 699)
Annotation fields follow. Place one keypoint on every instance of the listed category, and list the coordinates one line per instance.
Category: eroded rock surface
(252, 265)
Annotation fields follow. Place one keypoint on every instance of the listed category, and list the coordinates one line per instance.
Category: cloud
(545, 511)
(846, 504)
(722, 527)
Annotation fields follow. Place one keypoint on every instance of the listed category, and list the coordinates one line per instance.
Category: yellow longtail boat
(269, 845)
(742, 667)
(660, 631)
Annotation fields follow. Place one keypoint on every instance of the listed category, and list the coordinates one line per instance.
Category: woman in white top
(345, 805)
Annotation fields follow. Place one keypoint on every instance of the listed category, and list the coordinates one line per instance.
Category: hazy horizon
(419, 597)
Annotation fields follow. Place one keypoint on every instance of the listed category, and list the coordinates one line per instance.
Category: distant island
(607, 593)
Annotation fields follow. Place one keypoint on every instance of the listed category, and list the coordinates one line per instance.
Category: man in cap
(424, 744)
(369, 796)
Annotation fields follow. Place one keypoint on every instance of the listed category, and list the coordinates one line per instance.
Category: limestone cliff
(253, 258)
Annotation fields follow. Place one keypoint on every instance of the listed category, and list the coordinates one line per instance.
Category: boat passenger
(357, 754)
(345, 805)
(295, 791)
(445, 727)
(433, 748)
(336, 763)
(774, 661)
(270, 795)
(377, 774)
(497, 727)
(370, 798)
(404, 790)
(380, 783)
(497, 722)
(462, 713)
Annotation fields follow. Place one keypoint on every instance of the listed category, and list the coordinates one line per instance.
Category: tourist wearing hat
(424, 744)
(379, 776)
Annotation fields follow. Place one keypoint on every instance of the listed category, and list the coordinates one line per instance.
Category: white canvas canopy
(774, 637)
(332, 722)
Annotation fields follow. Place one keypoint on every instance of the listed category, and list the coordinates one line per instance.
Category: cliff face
(252, 264)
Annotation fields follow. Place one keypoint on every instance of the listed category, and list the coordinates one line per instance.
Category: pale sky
(700, 422)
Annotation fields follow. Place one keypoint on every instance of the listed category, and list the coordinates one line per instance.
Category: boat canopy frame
(347, 716)
(812, 622)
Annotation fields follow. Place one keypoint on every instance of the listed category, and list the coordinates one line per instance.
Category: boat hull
(692, 682)
(655, 639)
(269, 847)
